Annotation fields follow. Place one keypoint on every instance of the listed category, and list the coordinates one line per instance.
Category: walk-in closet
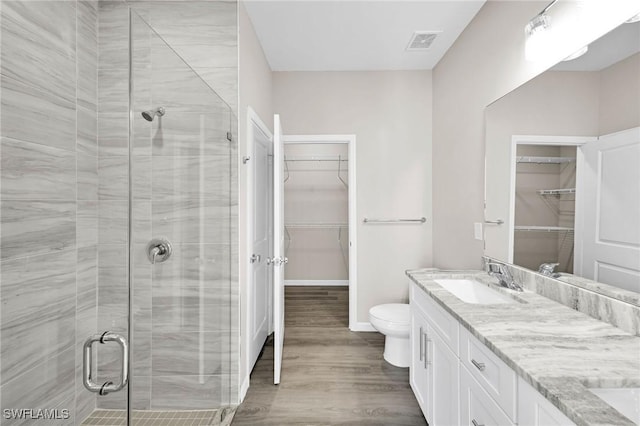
(316, 214)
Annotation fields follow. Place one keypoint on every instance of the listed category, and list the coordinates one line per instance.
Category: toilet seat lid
(396, 313)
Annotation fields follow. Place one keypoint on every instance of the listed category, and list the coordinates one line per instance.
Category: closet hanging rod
(420, 220)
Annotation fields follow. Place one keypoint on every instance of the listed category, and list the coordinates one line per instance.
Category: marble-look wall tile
(113, 133)
(225, 83)
(86, 323)
(47, 385)
(113, 222)
(87, 177)
(191, 134)
(191, 178)
(187, 392)
(141, 175)
(113, 35)
(30, 228)
(32, 115)
(112, 288)
(87, 54)
(38, 310)
(113, 90)
(183, 315)
(87, 224)
(189, 353)
(39, 45)
(179, 220)
(37, 172)
(87, 132)
(113, 180)
(193, 266)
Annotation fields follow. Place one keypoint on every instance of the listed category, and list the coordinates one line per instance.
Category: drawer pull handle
(479, 366)
(475, 423)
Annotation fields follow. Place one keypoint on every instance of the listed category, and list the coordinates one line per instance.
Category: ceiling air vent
(422, 40)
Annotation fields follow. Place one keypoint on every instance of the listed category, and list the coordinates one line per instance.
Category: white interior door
(279, 259)
(259, 294)
(608, 211)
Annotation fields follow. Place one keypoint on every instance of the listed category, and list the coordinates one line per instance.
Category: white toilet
(392, 320)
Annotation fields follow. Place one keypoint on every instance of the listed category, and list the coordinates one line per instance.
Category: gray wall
(389, 112)
(49, 190)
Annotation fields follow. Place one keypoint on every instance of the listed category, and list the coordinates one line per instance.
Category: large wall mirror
(562, 184)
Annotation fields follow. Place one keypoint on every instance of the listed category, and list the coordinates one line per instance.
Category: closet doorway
(320, 212)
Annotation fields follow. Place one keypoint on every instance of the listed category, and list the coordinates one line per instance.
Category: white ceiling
(331, 35)
(609, 49)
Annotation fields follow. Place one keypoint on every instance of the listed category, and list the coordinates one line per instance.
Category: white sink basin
(625, 400)
(471, 291)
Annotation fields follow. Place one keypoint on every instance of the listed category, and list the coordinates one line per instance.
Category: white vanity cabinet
(434, 369)
(459, 380)
(536, 410)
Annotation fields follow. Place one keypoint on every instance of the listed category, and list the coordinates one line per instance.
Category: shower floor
(219, 417)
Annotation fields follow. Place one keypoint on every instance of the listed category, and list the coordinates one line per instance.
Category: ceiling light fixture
(538, 37)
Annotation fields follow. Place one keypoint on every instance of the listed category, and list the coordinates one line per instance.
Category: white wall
(255, 91)
(620, 96)
(486, 62)
(390, 114)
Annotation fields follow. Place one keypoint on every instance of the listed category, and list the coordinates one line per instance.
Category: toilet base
(396, 351)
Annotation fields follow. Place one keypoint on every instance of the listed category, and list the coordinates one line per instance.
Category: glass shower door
(182, 167)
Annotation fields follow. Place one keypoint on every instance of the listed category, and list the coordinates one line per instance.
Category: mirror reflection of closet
(545, 192)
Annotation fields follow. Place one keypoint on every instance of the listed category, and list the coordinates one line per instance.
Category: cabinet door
(536, 410)
(443, 381)
(476, 406)
(418, 367)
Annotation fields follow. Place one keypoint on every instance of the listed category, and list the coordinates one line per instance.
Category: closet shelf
(544, 228)
(557, 191)
(545, 160)
(331, 158)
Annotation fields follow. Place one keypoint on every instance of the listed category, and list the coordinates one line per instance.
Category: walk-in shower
(117, 241)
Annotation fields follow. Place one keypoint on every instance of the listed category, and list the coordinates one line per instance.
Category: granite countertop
(559, 351)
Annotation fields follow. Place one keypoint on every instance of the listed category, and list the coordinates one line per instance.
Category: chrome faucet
(548, 269)
(501, 272)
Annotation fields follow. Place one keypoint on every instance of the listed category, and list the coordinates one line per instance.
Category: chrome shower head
(151, 114)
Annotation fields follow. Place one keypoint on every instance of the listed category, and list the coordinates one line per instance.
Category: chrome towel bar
(420, 220)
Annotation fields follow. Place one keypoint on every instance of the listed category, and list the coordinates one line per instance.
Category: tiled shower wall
(48, 233)
(61, 227)
(185, 331)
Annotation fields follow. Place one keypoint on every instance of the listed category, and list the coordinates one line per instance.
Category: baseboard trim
(316, 283)
(363, 326)
(244, 388)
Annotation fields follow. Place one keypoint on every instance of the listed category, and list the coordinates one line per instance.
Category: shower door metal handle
(87, 368)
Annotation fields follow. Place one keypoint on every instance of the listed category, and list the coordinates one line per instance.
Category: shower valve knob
(158, 250)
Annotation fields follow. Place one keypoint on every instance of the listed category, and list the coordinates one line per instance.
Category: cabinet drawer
(477, 408)
(442, 322)
(496, 377)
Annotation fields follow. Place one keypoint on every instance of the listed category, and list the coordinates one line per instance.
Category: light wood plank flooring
(330, 376)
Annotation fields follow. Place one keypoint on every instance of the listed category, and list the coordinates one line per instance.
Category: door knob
(255, 258)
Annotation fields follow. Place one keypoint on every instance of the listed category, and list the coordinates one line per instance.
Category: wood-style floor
(330, 376)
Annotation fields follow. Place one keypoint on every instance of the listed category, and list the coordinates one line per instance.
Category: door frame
(350, 140)
(516, 140)
(253, 121)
